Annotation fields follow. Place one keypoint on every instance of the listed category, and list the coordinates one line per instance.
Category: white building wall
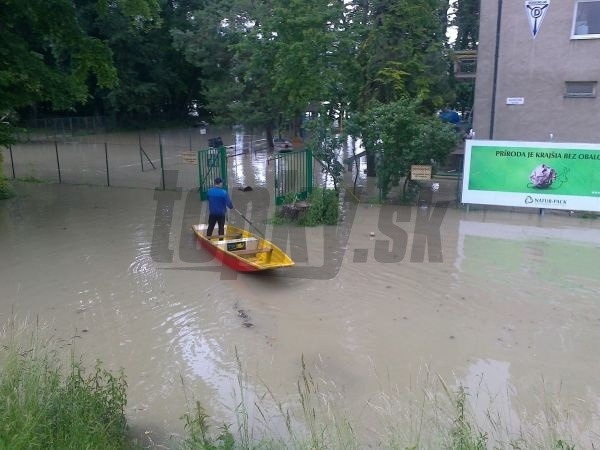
(535, 70)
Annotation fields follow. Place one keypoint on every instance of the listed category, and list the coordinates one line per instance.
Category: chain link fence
(128, 159)
(140, 160)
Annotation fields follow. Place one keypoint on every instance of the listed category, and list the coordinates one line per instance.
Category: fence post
(309, 172)
(190, 135)
(458, 187)
(140, 149)
(57, 162)
(223, 164)
(162, 165)
(106, 158)
(12, 162)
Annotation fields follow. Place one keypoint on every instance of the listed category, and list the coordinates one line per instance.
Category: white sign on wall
(536, 11)
(515, 100)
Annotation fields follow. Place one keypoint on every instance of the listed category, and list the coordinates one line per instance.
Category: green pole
(200, 173)
(309, 171)
(223, 160)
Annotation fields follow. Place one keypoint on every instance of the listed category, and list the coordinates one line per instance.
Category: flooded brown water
(513, 299)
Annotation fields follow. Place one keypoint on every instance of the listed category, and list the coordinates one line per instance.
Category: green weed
(44, 406)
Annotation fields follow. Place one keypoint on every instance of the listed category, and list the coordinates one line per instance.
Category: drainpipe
(495, 82)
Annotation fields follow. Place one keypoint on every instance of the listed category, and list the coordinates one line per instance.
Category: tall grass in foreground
(432, 416)
(44, 405)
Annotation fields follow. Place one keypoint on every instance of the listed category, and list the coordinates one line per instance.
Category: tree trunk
(298, 126)
(269, 134)
(371, 172)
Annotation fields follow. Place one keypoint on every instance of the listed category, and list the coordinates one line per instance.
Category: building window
(579, 89)
(467, 65)
(586, 20)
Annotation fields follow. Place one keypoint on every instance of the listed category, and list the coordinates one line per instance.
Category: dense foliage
(51, 59)
(404, 52)
(261, 63)
(42, 406)
(324, 208)
(399, 135)
(466, 21)
(325, 144)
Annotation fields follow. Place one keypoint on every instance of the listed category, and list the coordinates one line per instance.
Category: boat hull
(250, 253)
(228, 260)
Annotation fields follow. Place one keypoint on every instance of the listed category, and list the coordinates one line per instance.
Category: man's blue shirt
(218, 201)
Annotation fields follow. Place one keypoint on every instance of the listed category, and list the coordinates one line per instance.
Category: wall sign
(536, 11)
(515, 100)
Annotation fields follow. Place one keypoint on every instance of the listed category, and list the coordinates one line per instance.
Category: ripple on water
(198, 333)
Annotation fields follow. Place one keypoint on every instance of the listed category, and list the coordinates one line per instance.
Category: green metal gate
(293, 175)
(212, 163)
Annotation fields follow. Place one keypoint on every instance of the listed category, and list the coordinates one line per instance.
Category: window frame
(574, 23)
(592, 94)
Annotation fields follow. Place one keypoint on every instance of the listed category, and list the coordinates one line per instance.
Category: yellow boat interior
(245, 245)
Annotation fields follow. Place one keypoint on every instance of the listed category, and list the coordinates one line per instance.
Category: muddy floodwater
(501, 303)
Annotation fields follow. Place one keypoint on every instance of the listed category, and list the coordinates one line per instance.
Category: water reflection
(564, 256)
(237, 168)
(490, 392)
(250, 162)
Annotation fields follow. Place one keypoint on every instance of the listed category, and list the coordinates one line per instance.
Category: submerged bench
(251, 252)
(225, 237)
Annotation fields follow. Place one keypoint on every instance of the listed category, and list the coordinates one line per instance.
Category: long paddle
(244, 217)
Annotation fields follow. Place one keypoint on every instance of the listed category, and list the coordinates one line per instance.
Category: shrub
(41, 406)
(324, 208)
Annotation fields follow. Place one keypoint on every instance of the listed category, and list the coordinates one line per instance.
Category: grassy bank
(48, 404)
(45, 404)
(428, 415)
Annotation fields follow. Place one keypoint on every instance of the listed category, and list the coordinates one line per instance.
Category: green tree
(154, 81)
(46, 56)
(263, 61)
(400, 135)
(404, 52)
(212, 41)
(325, 145)
(304, 50)
(466, 20)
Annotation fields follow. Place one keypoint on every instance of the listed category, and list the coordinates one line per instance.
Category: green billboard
(532, 174)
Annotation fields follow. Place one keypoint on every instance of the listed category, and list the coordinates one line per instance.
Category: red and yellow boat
(242, 250)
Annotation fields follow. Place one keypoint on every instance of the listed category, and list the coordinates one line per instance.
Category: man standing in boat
(218, 202)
